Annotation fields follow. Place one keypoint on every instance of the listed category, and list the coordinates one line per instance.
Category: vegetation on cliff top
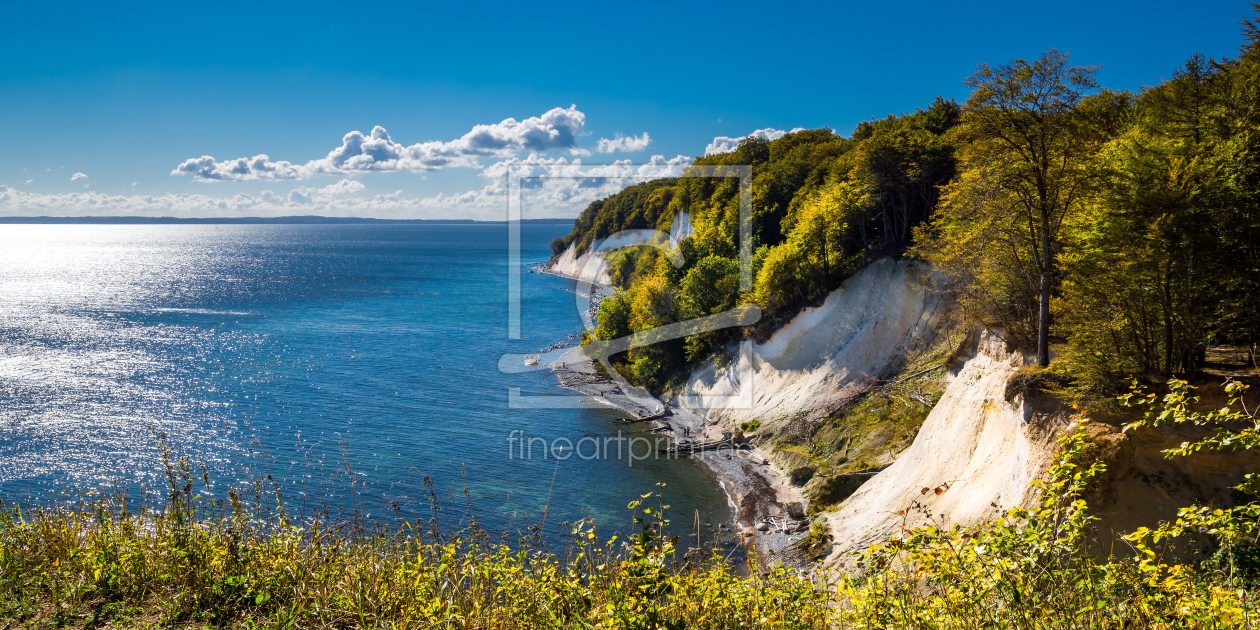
(822, 206)
(1124, 225)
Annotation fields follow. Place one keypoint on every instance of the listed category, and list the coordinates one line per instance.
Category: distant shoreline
(293, 220)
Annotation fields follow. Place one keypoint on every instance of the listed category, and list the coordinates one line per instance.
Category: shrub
(1030, 569)
(225, 564)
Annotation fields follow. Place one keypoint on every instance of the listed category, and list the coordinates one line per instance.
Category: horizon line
(289, 220)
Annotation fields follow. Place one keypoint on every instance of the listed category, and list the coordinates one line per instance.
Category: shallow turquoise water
(315, 354)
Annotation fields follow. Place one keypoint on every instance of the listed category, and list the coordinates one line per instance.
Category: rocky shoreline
(768, 509)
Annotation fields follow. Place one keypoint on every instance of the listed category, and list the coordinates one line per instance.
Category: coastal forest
(1121, 226)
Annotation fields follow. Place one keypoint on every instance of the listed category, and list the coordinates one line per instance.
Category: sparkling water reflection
(316, 354)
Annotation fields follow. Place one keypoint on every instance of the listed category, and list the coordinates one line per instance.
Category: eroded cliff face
(864, 330)
(987, 439)
(983, 442)
(979, 448)
(1142, 487)
(587, 267)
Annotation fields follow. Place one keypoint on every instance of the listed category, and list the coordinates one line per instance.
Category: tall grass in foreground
(195, 563)
(86, 568)
(219, 563)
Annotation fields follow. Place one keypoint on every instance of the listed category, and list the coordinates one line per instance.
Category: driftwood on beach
(658, 416)
(690, 448)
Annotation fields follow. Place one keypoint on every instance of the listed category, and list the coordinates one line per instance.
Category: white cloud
(15, 202)
(722, 144)
(562, 184)
(343, 187)
(557, 129)
(134, 184)
(625, 144)
(78, 176)
(29, 181)
(726, 144)
(554, 187)
(306, 196)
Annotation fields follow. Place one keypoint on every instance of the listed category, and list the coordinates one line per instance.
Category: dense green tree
(903, 162)
(1238, 117)
(1150, 237)
(1024, 147)
(709, 288)
(821, 205)
(613, 320)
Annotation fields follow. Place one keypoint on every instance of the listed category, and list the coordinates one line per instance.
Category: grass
(93, 567)
(232, 563)
(204, 564)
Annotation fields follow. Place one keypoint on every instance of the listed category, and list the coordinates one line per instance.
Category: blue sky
(125, 95)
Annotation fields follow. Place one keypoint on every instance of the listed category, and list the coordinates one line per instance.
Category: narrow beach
(768, 509)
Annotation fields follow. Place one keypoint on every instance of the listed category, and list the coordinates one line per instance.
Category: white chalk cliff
(587, 267)
(868, 326)
(979, 448)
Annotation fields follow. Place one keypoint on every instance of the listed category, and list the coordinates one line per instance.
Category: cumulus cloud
(564, 185)
(78, 176)
(726, 144)
(625, 144)
(557, 129)
(307, 196)
(343, 187)
(551, 187)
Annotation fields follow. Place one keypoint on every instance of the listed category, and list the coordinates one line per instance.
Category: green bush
(199, 563)
(1030, 569)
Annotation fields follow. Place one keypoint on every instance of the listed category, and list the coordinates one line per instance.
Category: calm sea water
(316, 354)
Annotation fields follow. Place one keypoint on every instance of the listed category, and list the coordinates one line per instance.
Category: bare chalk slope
(587, 267)
(987, 439)
(865, 329)
(980, 449)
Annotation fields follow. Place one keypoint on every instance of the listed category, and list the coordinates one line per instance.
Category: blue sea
(348, 362)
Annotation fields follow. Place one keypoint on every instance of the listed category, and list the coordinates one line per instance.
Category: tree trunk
(1166, 302)
(888, 228)
(1043, 319)
(1043, 322)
